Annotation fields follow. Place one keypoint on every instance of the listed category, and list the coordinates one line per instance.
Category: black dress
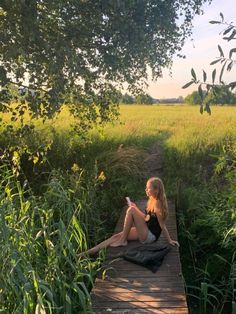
(153, 223)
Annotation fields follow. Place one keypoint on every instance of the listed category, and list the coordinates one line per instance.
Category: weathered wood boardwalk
(130, 288)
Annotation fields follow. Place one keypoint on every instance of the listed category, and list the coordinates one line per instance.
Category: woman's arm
(163, 226)
(135, 206)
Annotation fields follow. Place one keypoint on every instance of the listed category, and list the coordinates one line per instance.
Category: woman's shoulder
(152, 205)
(158, 208)
(157, 204)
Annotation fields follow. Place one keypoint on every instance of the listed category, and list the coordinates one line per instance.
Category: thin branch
(25, 86)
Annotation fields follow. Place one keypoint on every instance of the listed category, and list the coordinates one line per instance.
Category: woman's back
(153, 223)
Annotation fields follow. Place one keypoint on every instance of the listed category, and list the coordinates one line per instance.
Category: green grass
(88, 180)
(182, 122)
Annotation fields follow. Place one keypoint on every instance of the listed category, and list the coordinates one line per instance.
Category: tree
(220, 95)
(144, 99)
(127, 99)
(193, 98)
(78, 52)
(212, 89)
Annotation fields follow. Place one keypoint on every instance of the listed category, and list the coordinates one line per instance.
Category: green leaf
(221, 51)
(230, 65)
(207, 109)
(201, 109)
(222, 71)
(231, 52)
(215, 61)
(200, 91)
(204, 76)
(232, 85)
(228, 30)
(215, 22)
(188, 84)
(213, 75)
(231, 36)
(193, 74)
(208, 86)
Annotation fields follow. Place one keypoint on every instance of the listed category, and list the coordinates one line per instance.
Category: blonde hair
(158, 185)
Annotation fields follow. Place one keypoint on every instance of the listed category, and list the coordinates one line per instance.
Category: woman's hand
(172, 242)
(132, 205)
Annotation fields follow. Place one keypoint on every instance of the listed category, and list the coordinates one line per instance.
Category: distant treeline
(147, 99)
(220, 95)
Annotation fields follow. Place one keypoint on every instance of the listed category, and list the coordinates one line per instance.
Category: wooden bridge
(130, 288)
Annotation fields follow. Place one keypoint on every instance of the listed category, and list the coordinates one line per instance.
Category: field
(74, 185)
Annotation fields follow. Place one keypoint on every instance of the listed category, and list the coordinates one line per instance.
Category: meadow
(58, 190)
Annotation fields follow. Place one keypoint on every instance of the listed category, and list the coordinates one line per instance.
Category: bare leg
(132, 216)
(139, 231)
(128, 223)
(101, 245)
(133, 235)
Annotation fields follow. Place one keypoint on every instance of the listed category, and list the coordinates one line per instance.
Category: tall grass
(40, 239)
(207, 224)
(42, 233)
(76, 192)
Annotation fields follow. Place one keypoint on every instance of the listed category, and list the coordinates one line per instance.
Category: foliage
(99, 191)
(144, 99)
(78, 52)
(217, 95)
(208, 227)
(220, 95)
(42, 234)
(127, 99)
(193, 99)
(40, 239)
(228, 63)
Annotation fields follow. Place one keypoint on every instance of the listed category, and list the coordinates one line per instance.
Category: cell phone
(128, 200)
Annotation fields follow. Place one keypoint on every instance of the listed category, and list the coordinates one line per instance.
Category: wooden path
(129, 288)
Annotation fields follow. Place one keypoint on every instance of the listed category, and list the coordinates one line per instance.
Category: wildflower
(75, 168)
(101, 177)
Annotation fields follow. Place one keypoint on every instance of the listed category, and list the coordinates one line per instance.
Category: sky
(200, 49)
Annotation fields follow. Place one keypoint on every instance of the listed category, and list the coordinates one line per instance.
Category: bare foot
(119, 243)
(82, 255)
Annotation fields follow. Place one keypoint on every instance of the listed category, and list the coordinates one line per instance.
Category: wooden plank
(131, 280)
(136, 267)
(140, 304)
(138, 285)
(124, 264)
(167, 262)
(118, 252)
(143, 311)
(100, 296)
(130, 288)
(133, 270)
(142, 274)
(169, 257)
(115, 289)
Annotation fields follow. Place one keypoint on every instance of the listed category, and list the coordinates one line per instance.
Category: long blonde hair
(158, 185)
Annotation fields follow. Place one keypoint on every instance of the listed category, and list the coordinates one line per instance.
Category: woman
(147, 226)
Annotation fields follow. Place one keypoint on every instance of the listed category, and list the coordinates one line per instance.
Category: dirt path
(153, 164)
